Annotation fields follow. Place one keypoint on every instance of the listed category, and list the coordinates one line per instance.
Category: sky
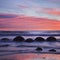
(21, 15)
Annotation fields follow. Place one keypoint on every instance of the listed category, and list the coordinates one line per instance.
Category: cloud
(51, 11)
(55, 0)
(7, 16)
(29, 23)
(22, 6)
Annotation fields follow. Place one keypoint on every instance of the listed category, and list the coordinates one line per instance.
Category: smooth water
(25, 47)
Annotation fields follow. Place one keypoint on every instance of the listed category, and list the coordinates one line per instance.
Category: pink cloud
(28, 23)
(54, 0)
(50, 11)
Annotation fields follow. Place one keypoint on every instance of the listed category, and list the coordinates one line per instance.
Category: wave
(30, 33)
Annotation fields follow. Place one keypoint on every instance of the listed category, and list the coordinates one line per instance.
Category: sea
(11, 50)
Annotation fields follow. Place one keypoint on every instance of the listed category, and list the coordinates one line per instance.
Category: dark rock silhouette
(4, 45)
(51, 39)
(4, 39)
(39, 39)
(39, 49)
(29, 40)
(18, 39)
(52, 50)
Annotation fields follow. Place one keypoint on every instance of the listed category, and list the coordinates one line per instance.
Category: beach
(31, 56)
(29, 29)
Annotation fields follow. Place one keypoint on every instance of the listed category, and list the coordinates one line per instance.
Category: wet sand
(31, 56)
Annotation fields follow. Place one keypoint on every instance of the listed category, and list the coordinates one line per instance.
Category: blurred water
(24, 47)
(11, 47)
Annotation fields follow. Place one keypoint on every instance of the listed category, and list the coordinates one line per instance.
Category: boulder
(29, 40)
(52, 50)
(51, 39)
(39, 39)
(6, 45)
(39, 49)
(18, 39)
(4, 39)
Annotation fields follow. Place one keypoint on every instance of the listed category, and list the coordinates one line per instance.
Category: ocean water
(25, 47)
(12, 49)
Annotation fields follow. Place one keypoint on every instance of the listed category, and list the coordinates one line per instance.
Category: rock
(18, 39)
(4, 45)
(39, 49)
(52, 50)
(51, 39)
(29, 40)
(39, 39)
(4, 39)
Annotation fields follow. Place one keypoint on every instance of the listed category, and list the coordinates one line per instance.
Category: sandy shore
(31, 56)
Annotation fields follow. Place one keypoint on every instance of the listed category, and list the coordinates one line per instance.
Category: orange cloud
(29, 23)
(51, 11)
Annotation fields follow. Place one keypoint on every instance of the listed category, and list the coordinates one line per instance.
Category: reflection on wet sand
(31, 56)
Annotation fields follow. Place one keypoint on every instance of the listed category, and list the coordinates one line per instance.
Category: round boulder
(18, 39)
(6, 45)
(29, 40)
(51, 39)
(52, 50)
(4, 39)
(39, 49)
(39, 39)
